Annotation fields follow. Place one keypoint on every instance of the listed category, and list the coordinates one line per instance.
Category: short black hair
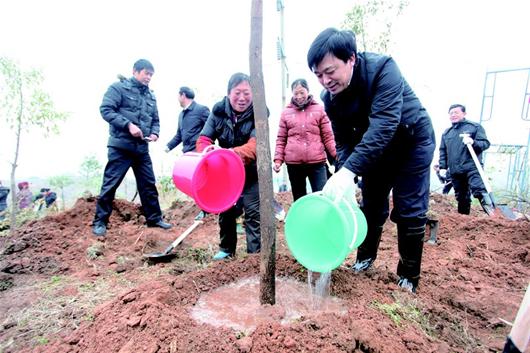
(143, 64)
(44, 189)
(461, 106)
(188, 92)
(341, 44)
(300, 81)
(236, 79)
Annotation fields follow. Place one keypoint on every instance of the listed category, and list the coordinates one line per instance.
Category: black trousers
(465, 185)
(249, 204)
(299, 172)
(119, 162)
(405, 173)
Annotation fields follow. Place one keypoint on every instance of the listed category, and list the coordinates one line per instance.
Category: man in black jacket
(45, 198)
(455, 156)
(131, 111)
(4, 191)
(190, 123)
(384, 135)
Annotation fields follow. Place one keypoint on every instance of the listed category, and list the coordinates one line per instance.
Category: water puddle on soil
(237, 305)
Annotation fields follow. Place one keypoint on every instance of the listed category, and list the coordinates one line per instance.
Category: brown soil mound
(472, 280)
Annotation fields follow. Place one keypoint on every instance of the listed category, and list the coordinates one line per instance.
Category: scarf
(304, 105)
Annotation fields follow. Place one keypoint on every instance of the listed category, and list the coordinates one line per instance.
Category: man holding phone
(129, 106)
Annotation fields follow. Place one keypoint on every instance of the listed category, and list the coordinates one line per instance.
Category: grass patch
(94, 251)
(405, 309)
(199, 255)
(459, 333)
(56, 311)
(22, 217)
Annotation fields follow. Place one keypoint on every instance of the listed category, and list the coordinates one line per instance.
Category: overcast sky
(444, 49)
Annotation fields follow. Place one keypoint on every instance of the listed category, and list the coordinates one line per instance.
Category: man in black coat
(47, 197)
(384, 135)
(190, 123)
(129, 106)
(455, 156)
(4, 191)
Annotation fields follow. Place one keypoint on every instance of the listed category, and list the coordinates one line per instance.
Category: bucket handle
(355, 226)
(210, 148)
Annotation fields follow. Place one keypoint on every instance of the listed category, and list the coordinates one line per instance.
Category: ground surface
(63, 291)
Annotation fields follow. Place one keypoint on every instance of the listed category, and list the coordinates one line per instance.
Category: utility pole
(280, 51)
(280, 54)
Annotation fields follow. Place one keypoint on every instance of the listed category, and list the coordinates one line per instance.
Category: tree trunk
(14, 193)
(267, 223)
(62, 198)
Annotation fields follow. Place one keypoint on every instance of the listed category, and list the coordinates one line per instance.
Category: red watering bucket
(213, 178)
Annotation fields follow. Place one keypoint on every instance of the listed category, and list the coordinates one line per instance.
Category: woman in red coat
(304, 141)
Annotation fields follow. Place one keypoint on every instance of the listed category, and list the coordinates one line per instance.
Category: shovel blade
(507, 212)
(158, 257)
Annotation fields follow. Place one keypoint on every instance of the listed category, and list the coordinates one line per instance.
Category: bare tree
(24, 105)
(372, 22)
(61, 182)
(267, 223)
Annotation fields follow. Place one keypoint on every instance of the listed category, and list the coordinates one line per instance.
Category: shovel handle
(181, 237)
(479, 168)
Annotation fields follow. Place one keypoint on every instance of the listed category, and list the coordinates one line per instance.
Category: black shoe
(361, 266)
(407, 284)
(99, 230)
(160, 224)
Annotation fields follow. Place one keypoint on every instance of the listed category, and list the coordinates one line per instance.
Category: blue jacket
(4, 191)
(190, 124)
(375, 113)
(129, 101)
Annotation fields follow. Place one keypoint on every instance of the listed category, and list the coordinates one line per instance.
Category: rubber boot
(367, 252)
(410, 246)
(487, 204)
(509, 347)
(464, 207)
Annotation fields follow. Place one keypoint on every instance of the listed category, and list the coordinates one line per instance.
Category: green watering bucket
(321, 233)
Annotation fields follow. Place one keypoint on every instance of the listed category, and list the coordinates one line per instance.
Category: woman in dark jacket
(304, 141)
(231, 123)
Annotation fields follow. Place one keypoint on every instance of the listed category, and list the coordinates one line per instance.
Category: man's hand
(276, 167)
(153, 137)
(467, 140)
(443, 173)
(135, 131)
(341, 185)
(166, 149)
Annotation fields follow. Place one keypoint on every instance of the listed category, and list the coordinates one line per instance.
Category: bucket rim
(331, 265)
(225, 152)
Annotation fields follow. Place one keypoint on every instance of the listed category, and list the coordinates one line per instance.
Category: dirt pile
(472, 280)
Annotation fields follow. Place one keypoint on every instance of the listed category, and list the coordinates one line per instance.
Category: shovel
(167, 253)
(505, 210)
